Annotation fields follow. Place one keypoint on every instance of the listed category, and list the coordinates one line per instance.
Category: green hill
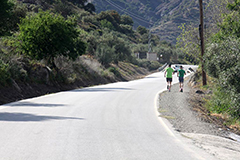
(163, 16)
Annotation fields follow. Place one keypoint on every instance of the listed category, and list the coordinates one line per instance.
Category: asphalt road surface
(117, 121)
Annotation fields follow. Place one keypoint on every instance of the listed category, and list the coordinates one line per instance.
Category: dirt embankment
(93, 74)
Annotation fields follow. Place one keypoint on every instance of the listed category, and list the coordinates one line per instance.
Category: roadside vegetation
(64, 44)
(222, 55)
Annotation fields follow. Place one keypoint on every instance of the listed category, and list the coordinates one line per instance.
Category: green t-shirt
(181, 72)
(169, 72)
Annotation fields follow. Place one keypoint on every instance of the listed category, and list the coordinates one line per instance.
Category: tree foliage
(222, 62)
(127, 20)
(5, 15)
(188, 42)
(46, 35)
(141, 30)
(61, 31)
(112, 48)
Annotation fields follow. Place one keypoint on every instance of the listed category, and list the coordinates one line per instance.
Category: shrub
(223, 63)
(105, 54)
(115, 71)
(144, 63)
(154, 65)
(4, 73)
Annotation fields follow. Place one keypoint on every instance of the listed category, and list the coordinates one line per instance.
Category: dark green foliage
(126, 29)
(150, 65)
(127, 20)
(5, 15)
(230, 25)
(4, 73)
(46, 35)
(63, 8)
(111, 16)
(81, 3)
(144, 63)
(154, 65)
(107, 24)
(234, 6)
(19, 12)
(115, 71)
(111, 48)
(105, 54)
(90, 7)
(142, 30)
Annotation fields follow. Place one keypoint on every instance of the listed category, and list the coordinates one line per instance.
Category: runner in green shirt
(181, 74)
(168, 74)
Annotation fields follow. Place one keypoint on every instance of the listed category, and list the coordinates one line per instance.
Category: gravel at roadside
(175, 106)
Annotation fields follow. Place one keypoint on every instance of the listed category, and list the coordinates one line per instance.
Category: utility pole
(149, 42)
(201, 28)
(150, 38)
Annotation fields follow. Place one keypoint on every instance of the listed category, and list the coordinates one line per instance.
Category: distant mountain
(162, 16)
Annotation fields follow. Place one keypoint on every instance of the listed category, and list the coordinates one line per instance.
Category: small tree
(46, 35)
(142, 30)
(127, 20)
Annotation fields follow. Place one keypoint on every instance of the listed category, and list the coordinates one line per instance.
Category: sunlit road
(110, 122)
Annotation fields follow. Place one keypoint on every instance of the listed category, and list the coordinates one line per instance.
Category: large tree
(46, 35)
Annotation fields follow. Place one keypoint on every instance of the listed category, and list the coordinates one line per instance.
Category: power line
(128, 12)
(123, 9)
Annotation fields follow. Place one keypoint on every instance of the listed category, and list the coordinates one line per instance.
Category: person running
(168, 74)
(181, 74)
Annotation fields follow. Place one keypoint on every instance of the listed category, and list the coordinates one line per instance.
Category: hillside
(94, 74)
(163, 16)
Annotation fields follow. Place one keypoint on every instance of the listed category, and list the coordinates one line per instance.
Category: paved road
(110, 122)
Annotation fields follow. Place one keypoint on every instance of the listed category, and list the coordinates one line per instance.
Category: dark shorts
(181, 79)
(169, 79)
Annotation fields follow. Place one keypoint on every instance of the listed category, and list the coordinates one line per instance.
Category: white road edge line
(160, 118)
(170, 132)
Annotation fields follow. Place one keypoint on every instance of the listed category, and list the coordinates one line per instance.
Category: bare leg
(170, 85)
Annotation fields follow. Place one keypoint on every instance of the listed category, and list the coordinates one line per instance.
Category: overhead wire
(128, 12)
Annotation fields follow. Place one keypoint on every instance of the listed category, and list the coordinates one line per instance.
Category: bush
(222, 102)
(105, 54)
(144, 63)
(150, 65)
(223, 63)
(115, 71)
(4, 73)
(111, 48)
(154, 65)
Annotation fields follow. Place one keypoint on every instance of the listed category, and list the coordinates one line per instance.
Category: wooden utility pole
(201, 28)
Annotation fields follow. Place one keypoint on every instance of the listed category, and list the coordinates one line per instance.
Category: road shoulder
(176, 107)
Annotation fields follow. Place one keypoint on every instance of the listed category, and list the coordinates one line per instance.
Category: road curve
(117, 121)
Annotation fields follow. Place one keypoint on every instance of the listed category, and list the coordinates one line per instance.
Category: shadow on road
(150, 77)
(100, 89)
(31, 104)
(24, 117)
